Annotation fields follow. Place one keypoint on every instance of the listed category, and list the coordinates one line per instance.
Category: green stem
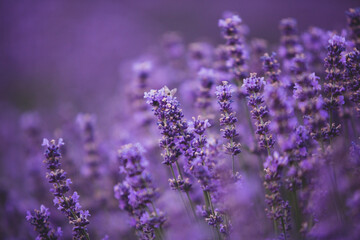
(283, 228)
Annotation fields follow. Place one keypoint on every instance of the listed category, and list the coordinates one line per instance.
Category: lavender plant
(294, 112)
(68, 204)
(40, 220)
(136, 194)
(227, 121)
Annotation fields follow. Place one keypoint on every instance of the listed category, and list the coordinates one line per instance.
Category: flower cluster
(142, 71)
(206, 78)
(136, 193)
(353, 18)
(87, 123)
(352, 72)
(254, 86)
(170, 121)
(175, 136)
(293, 178)
(271, 68)
(334, 87)
(315, 42)
(278, 209)
(40, 220)
(290, 41)
(231, 31)
(228, 119)
(68, 204)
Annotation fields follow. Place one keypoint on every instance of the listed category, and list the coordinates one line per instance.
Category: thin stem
(213, 212)
(283, 227)
(182, 199)
(179, 169)
(191, 205)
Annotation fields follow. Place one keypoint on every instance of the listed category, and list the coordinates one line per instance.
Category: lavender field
(172, 121)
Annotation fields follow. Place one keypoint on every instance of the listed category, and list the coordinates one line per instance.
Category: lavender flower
(310, 103)
(40, 221)
(271, 68)
(315, 42)
(228, 120)
(142, 71)
(206, 77)
(87, 123)
(253, 86)
(136, 194)
(176, 138)
(290, 41)
(353, 19)
(170, 121)
(334, 87)
(352, 75)
(279, 209)
(282, 112)
(69, 205)
(231, 31)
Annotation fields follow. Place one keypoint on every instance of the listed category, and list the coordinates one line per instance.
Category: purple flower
(334, 88)
(206, 77)
(228, 119)
(352, 74)
(353, 19)
(170, 121)
(69, 205)
(231, 31)
(282, 112)
(315, 41)
(136, 193)
(254, 86)
(290, 41)
(271, 67)
(40, 221)
(87, 126)
(278, 209)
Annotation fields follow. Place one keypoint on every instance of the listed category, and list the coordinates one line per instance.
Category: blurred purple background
(53, 49)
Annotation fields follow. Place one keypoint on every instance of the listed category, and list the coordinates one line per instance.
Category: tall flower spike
(254, 86)
(315, 41)
(228, 120)
(353, 19)
(136, 193)
(352, 77)
(231, 31)
(40, 220)
(68, 204)
(310, 103)
(282, 112)
(173, 128)
(334, 85)
(87, 124)
(278, 209)
(290, 41)
(206, 78)
(203, 169)
(271, 68)
(142, 72)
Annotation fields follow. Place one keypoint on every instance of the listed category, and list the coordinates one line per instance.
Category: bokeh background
(51, 49)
